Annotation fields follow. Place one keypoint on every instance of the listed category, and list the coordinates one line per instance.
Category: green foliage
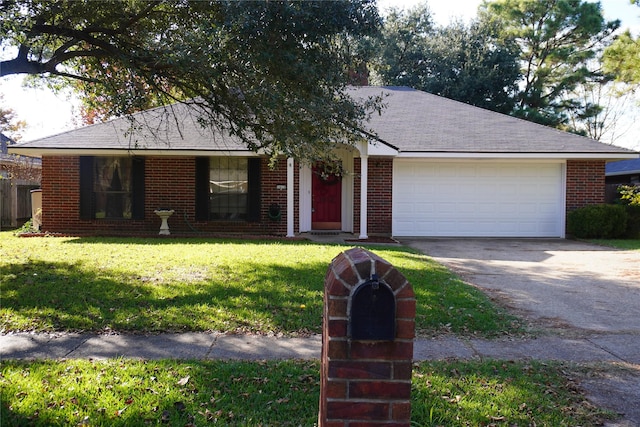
(633, 221)
(468, 64)
(597, 222)
(629, 197)
(401, 47)
(27, 227)
(557, 40)
(629, 194)
(277, 393)
(271, 73)
(157, 285)
(622, 59)
(10, 125)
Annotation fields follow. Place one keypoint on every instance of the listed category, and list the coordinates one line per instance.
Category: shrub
(598, 222)
(633, 222)
(26, 228)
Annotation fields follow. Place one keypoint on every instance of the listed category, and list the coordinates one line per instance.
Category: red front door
(326, 206)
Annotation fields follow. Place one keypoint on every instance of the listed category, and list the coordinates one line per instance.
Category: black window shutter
(86, 187)
(253, 199)
(137, 188)
(202, 188)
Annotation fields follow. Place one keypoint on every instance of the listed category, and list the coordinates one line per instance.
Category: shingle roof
(623, 167)
(412, 121)
(417, 121)
(162, 128)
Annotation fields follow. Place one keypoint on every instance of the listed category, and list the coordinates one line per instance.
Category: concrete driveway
(555, 283)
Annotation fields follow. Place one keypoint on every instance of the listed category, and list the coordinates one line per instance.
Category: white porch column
(290, 197)
(364, 177)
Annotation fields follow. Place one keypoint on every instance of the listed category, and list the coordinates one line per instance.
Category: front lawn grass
(140, 285)
(276, 393)
(626, 244)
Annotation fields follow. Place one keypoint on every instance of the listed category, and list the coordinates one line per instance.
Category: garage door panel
(467, 199)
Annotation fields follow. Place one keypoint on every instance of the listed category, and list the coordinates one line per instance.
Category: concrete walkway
(620, 348)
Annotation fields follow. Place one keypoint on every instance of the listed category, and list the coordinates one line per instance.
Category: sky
(49, 114)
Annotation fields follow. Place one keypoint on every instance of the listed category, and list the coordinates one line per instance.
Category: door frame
(346, 155)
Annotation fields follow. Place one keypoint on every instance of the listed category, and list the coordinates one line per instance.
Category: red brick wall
(61, 194)
(169, 183)
(271, 178)
(379, 195)
(585, 183)
(365, 382)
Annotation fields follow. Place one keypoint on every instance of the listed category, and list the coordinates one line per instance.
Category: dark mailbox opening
(373, 312)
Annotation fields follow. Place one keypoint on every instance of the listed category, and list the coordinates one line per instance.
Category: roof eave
(518, 155)
(40, 152)
(622, 173)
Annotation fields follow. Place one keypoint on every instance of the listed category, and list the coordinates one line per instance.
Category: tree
(622, 59)
(10, 125)
(557, 39)
(272, 73)
(468, 64)
(19, 167)
(401, 47)
(601, 110)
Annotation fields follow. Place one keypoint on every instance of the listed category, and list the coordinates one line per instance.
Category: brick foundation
(365, 382)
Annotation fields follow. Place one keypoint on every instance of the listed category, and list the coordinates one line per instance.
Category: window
(111, 188)
(228, 188)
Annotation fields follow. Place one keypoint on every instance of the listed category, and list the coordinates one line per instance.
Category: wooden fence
(15, 202)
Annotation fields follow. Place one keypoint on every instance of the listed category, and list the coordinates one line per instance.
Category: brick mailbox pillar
(367, 343)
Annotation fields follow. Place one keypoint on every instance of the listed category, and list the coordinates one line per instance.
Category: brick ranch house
(439, 168)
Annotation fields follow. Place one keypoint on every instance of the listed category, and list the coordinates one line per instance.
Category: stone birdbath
(164, 215)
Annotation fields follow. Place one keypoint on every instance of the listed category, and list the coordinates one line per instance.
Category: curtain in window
(228, 188)
(111, 187)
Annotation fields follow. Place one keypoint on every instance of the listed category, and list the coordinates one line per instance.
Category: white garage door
(478, 199)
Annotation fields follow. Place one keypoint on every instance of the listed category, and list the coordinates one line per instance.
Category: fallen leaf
(184, 381)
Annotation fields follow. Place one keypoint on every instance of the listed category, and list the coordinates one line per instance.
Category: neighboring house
(6, 160)
(17, 167)
(18, 176)
(440, 168)
(623, 172)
